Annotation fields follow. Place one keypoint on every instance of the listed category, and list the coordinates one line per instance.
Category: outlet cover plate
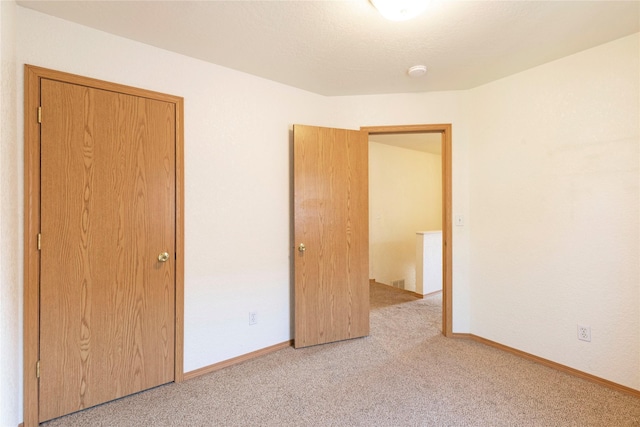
(584, 333)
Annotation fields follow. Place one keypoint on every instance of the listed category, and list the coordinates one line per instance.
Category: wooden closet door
(107, 213)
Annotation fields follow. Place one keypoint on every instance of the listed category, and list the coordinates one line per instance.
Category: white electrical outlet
(253, 318)
(584, 333)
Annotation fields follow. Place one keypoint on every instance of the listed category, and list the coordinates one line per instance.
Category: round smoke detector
(417, 71)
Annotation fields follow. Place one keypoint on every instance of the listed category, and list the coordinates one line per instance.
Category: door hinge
(39, 114)
(38, 369)
(39, 240)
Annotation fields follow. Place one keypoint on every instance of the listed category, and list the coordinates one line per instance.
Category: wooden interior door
(107, 301)
(331, 235)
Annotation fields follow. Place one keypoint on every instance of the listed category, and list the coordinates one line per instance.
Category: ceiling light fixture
(417, 70)
(400, 10)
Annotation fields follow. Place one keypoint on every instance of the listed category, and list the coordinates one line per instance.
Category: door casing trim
(32, 77)
(447, 221)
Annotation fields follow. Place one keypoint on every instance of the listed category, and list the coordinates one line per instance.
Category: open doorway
(396, 233)
(405, 211)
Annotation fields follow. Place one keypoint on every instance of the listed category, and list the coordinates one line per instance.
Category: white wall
(554, 211)
(405, 196)
(10, 247)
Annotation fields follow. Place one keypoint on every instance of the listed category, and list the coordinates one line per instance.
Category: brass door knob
(302, 247)
(163, 257)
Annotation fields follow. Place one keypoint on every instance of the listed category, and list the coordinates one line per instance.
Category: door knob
(302, 247)
(163, 257)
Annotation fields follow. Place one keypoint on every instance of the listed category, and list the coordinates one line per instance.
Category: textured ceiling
(347, 48)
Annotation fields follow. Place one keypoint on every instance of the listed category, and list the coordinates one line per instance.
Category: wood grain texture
(447, 232)
(447, 221)
(107, 304)
(437, 128)
(33, 77)
(31, 254)
(331, 219)
(47, 73)
(179, 243)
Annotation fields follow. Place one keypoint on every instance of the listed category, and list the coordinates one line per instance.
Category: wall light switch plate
(458, 220)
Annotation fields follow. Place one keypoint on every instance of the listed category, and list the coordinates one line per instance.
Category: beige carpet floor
(404, 374)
